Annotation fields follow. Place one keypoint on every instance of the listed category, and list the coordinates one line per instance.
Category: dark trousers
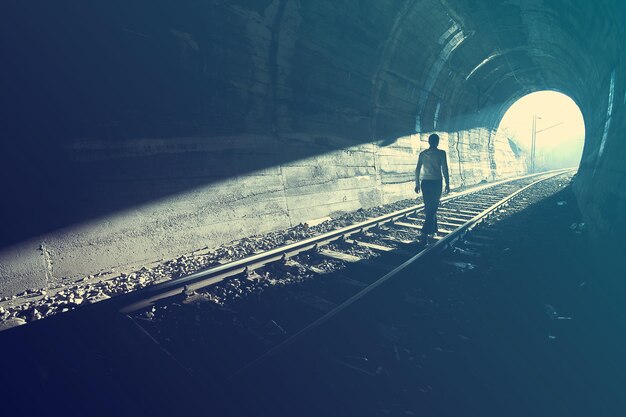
(431, 190)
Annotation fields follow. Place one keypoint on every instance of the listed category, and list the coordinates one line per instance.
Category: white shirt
(433, 161)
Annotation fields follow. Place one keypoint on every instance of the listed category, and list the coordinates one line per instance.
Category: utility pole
(533, 143)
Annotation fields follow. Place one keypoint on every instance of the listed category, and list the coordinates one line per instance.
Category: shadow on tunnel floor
(537, 328)
(437, 342)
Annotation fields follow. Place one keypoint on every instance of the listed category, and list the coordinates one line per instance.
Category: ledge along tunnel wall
(134, 130)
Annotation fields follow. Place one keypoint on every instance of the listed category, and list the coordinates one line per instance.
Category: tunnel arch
(553, 56)
(550, 64)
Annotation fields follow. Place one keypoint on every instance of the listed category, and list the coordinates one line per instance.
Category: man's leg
(436, 198)
(429, 207)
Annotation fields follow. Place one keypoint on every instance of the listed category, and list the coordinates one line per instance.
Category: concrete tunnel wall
(135, 131)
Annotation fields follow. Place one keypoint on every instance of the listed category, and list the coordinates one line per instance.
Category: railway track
(445, 332)
(394, 233)
(257, 306)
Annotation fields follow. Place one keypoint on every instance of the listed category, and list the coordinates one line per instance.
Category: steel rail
(146, 297)
(441, 244)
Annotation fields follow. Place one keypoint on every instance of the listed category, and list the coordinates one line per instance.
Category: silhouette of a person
(431, 163)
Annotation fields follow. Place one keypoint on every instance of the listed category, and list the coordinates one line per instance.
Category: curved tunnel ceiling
(501, 51)
(364, 69)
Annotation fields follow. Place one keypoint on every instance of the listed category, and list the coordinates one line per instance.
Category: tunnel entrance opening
(547, 128)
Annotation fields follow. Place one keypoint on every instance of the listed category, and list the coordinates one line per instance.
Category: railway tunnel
(140, 131)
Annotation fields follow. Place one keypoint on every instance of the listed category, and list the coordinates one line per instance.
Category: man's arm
(446, 174)
(418, 169)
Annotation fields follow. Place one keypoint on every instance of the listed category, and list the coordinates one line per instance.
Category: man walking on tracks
(432, 162)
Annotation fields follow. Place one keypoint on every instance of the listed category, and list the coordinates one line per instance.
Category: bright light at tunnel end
(557, 124)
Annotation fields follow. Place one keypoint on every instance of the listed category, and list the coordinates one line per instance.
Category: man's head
(433, 140)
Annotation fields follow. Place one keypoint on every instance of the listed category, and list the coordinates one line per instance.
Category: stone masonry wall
(219, 209)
